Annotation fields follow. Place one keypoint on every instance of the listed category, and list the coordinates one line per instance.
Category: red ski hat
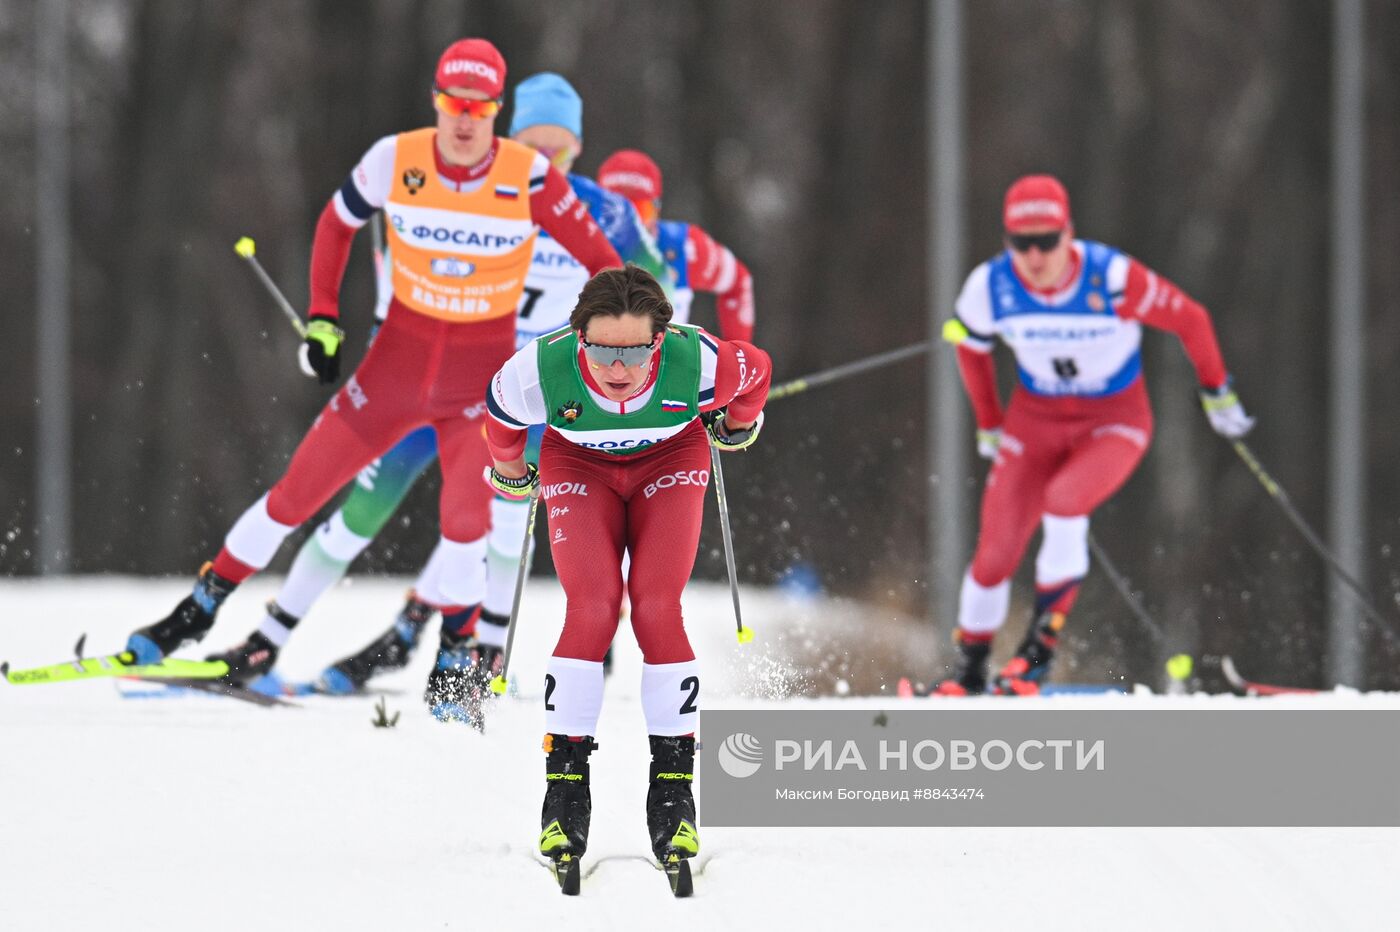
(1035, 201)
(632, 174)
(474, 64)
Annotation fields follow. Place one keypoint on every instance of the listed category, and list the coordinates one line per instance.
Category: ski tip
(904, 689)
(5, 669)
(78, 647)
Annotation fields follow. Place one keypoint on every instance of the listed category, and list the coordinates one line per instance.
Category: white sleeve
(974, 309)
(367, 188)
(516, 399)
(539, 170)
(709, 365)
(1117, 275)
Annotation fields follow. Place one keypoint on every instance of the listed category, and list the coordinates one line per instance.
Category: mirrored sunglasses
(456, 106)
(607, 355)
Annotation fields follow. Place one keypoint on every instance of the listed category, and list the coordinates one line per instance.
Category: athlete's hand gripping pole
(1277, 493)
(498, 684)
(320, 349)
(745, 635)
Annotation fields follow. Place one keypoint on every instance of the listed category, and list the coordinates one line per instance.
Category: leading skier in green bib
(632, 403)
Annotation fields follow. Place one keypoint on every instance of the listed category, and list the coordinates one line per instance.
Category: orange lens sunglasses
(456, 106)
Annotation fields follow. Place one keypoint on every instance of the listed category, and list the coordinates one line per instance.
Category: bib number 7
(528, 299)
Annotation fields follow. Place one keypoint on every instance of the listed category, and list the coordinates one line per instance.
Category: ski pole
(246, 248)
(1277, 493)
(1178, 666)
(850, 368)
(376, 241)
(498, 683)
(744, 634)
(1120, 582)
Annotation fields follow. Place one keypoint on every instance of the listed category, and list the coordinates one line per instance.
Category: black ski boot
(671, 808)
(970, 670)
(1024, 672)
(390, 651)
(249, 660)
(460, 681)
(568, 806)
(188, 623)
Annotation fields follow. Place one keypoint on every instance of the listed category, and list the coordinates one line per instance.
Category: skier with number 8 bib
(632, 403)
(1078, 423)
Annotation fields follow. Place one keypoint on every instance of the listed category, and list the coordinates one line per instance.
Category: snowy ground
(205, 813)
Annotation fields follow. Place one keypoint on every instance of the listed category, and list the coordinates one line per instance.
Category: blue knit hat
(547, 98)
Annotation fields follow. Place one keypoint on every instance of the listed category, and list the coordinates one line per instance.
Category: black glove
(320, 354)
(515, 489)
(726, 439)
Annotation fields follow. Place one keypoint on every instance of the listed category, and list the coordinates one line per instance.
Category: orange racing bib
(459, 256)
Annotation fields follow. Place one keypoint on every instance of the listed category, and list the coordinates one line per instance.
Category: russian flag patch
(507, 192)
(667, 405)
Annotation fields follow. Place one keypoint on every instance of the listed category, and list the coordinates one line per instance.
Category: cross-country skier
(700, 262)
(548, 117)
(623, 466)
(1078, 423)
(461, 209)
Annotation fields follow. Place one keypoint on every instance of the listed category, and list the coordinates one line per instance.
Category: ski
(677, 871)
(319, 688)
(118, 664)
(218, 687)
(568, 872)
(1244, 687)
(908, 689)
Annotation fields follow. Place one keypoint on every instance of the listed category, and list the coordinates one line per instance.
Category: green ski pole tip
(498, 685)
(745, 635)
(245, 247)
(1179, 667)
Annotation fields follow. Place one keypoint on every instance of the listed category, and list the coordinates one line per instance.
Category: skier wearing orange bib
(461, 208)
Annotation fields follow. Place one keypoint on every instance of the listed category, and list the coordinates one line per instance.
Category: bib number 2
(690, 685)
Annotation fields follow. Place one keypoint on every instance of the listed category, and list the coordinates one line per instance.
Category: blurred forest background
(1192, 133)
